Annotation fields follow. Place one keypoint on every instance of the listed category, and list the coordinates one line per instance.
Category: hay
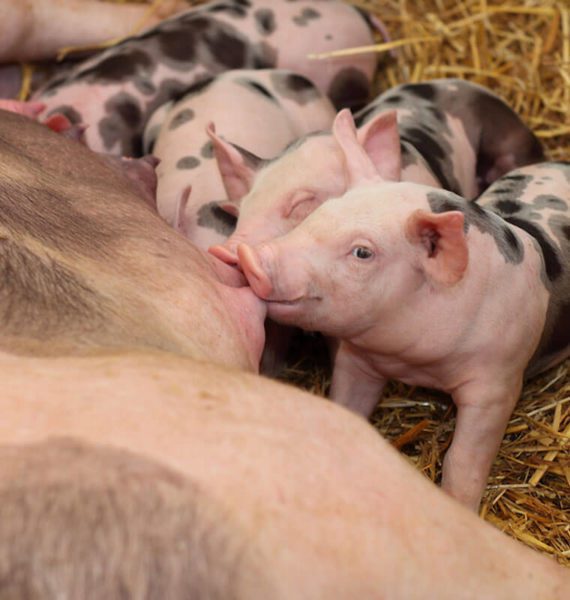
(522, 52)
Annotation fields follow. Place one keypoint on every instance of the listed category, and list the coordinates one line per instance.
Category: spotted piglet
(467, 135)
(444, 133)
(115, 92)
(269, 109)
(422, 286)
(536, 199)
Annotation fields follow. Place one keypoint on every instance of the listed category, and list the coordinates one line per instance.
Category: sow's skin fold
(449, 133)
(269, 109)
(115, 92)
(416, 282)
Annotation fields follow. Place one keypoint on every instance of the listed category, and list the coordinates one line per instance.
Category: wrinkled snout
(254, 271)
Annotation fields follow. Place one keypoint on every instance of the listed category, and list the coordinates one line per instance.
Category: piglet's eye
(362, 252)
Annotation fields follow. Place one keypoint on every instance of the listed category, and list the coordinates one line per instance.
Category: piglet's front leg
(483, 411)
(354, 384)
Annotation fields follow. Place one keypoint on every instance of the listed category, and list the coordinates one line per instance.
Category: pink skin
(27, 109)
(315, 503)
(400, 302)
(38, 29)
(403, 271)
(273, 200)
(349, 30)
(251, 120)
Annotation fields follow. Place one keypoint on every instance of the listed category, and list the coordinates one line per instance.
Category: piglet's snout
(254, 272)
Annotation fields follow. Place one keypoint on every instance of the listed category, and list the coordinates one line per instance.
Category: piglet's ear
(237, 166)
(359, 167)
(443, 246)
(380, 139)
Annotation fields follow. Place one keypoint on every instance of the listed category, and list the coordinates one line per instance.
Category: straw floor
(521, 50)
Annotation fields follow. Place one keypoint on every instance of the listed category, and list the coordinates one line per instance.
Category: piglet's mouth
(284, 302)
(293, 302)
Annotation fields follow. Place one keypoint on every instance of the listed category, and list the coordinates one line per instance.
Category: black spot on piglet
(185, 115)
(305, 17)
(294, 87)
(178, 45)
(349, 88)
(264, 21)
(257, 87)
(118, 67)
(207, 150)
(507, 207)
(212, 216)
(421, 90)
(551, 260)
(188, 162)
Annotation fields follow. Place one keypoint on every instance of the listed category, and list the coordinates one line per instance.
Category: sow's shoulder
(537, 200)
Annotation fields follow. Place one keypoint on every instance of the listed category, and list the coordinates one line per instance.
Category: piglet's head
(360, 260)
(271, 198)
(372, 157)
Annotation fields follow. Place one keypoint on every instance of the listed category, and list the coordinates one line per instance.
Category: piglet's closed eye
(444, 254)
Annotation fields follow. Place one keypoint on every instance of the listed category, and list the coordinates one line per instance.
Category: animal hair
(40, 296)
(42, 220)
(94, 522)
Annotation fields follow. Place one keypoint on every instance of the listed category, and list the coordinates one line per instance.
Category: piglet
(467, 135)
(422, 286)
(115, 92)
(259, 111)
(445, 133)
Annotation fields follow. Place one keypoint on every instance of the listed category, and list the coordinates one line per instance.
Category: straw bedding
(521, 50)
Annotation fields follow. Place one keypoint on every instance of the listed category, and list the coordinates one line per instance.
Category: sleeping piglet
(269, 109)
(445, 133)
(422, 286)
(115, 92)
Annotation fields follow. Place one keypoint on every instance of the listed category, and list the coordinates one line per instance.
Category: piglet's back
(537, 199)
